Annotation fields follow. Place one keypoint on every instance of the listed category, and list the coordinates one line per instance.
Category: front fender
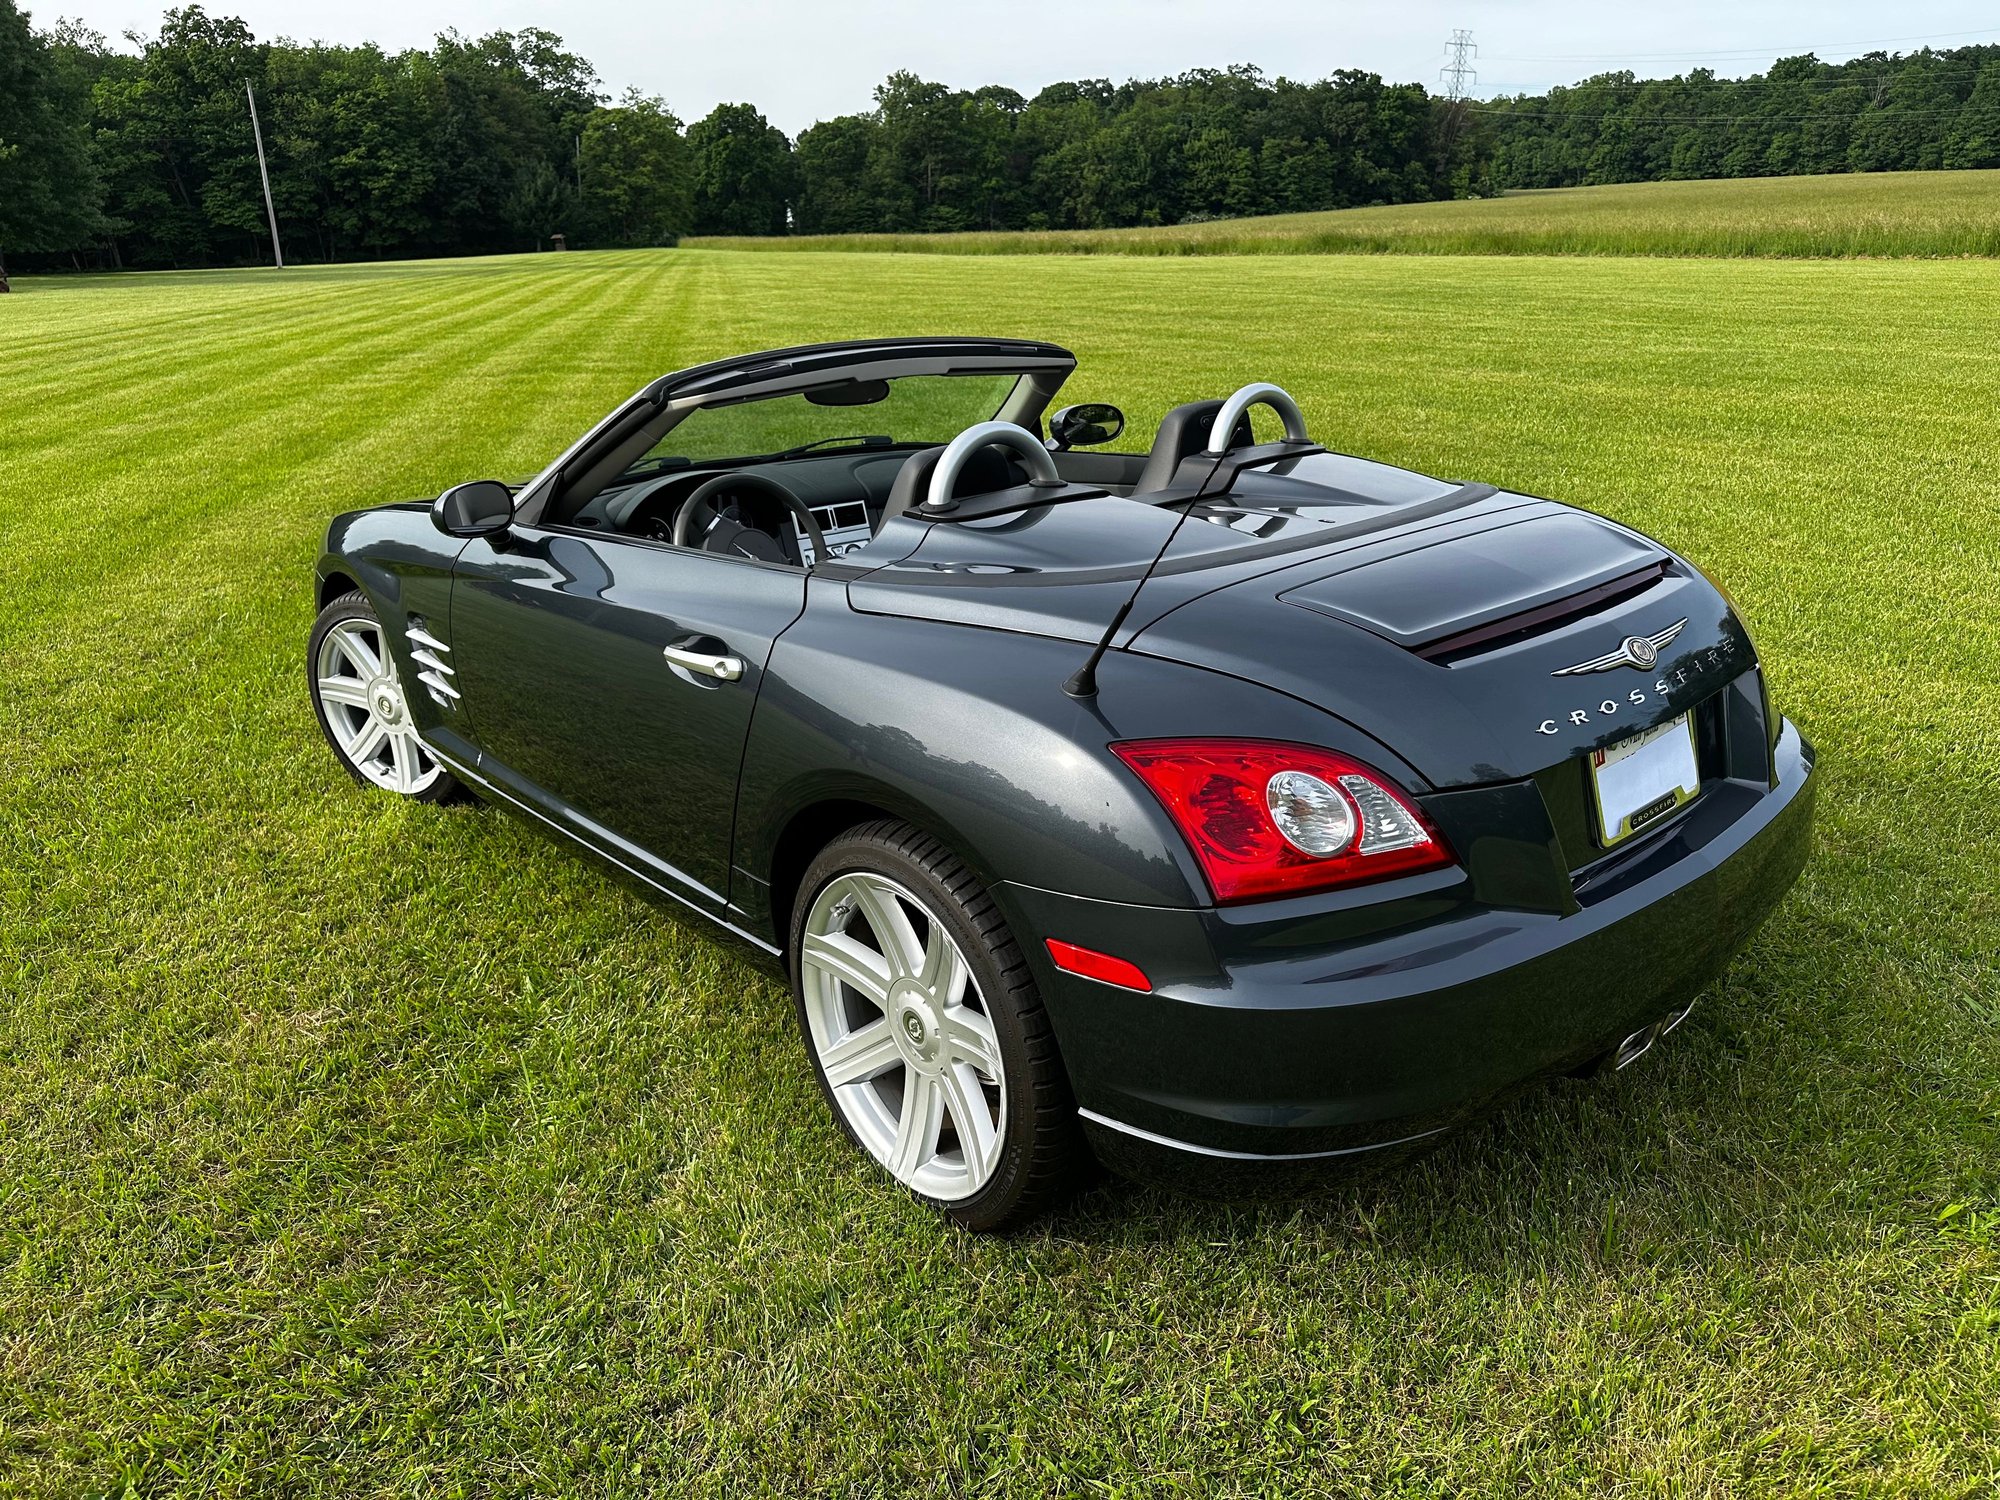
(384, 549)
(403, 563)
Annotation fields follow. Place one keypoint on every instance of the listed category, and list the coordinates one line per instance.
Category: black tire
(354, 609)
(1041, 1149)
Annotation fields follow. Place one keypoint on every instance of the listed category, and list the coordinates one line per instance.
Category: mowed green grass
(1862, 214)
(349, 1148)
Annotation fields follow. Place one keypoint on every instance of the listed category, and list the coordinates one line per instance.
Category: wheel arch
(824, 817)
(332, 584)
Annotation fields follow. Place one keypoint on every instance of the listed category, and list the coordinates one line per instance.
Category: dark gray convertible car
(1239, 806)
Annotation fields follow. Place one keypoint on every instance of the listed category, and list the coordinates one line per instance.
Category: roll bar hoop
(1254, 395)
(951, 463)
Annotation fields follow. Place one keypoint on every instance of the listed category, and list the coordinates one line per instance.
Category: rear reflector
(1099, 966)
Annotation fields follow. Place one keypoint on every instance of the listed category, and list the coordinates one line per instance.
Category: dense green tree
(742, 172)
(505, 105)
(345, 129)
(539, 203)
(50, 197)
(835, 161)
(1974, 138)
(637, 184)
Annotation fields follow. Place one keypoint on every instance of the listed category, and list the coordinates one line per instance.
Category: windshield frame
(1005, 385)
(588, 466)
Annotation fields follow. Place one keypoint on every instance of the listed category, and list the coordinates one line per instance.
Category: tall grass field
(1864, 214)
(355, 1149)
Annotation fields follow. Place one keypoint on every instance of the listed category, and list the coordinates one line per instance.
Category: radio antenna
(1082, 683)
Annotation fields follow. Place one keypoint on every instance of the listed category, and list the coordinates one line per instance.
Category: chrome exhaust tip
(1635, 1046)
(1674, 1018)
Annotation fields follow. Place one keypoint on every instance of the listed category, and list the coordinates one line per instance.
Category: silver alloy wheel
(356, 684)
(900, 1030)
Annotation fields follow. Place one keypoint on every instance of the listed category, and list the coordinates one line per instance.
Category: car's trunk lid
(1459, 646)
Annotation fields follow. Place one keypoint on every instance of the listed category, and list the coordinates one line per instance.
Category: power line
(1820, 86)
(1742, 119)
(1745, 52)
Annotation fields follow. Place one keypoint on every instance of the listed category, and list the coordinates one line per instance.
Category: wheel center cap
(914, 1024)
(387, 703)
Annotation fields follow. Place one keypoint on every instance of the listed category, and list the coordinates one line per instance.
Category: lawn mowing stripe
(164, 366)
(337, 371)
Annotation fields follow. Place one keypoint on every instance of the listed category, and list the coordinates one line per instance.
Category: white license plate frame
(1644, 779)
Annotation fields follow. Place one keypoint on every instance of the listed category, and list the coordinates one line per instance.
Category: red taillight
(1100, 966)
(1273, 819)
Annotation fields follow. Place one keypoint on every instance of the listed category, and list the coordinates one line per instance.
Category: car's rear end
(1615, 808)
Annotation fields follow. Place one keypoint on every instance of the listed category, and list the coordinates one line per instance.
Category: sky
(806, 60)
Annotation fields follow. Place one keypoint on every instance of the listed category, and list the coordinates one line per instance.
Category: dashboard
(845, 493)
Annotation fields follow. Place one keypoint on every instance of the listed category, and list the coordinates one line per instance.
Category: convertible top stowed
(1236, 804)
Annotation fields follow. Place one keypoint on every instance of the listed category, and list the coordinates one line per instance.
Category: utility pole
(270, 210)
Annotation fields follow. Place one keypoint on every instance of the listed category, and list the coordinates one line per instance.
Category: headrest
(1184, 431)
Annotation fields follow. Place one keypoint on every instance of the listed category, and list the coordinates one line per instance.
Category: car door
(609, 683)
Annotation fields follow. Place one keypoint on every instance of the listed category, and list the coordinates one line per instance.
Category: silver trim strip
(425, 639)
(423, 658)
(1166, 1140)
(465, 773)
(438, 685)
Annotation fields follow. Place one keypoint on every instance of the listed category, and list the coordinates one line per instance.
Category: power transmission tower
(1457, 74)
(1458, 79)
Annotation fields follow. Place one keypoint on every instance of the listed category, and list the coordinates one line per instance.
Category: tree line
(145, 158)
(1879, 113)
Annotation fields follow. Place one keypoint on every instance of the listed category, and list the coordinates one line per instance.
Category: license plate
(1643, 779)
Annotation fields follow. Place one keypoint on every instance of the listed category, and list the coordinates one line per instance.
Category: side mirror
(1085, 425)
(481, 508)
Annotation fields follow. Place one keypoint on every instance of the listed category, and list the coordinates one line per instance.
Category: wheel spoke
(860, 1055)
(893, 929)
(348, 690)
(852, 962)
(367, 740)
(403, 756)
(965, 1101)
(360, 655)
(969, 1038)
(934, 1035)
(943, 971)
(917, 1128)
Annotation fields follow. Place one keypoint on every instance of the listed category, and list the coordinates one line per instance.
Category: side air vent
(433, 659)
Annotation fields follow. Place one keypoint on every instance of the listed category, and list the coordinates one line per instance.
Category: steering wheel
(702, 500)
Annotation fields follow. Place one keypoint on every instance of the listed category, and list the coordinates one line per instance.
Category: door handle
(721, 668)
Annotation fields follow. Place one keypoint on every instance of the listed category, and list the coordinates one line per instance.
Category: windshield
(913, 410)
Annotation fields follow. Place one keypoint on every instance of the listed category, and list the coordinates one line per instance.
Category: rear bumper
(1262, 1045)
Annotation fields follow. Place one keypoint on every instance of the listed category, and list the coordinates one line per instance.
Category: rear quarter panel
(966, 733)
